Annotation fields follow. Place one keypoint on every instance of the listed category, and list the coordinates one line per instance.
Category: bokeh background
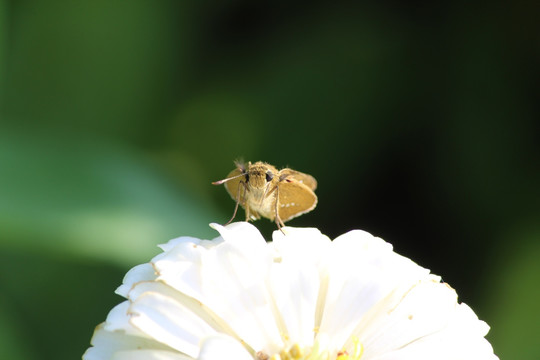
(420, 121)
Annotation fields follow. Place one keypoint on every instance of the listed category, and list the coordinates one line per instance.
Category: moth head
(259, 176)
(268, 176)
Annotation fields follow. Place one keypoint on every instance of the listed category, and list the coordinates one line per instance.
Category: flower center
(296, 352)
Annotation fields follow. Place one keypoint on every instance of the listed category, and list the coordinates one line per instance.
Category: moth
(264, 191)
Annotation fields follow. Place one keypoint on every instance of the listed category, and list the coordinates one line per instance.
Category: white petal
(177, 241)
(118, 320)
(461, 339)
(169, 322)
(295, 292)
(106, 344)
(240, 233)
(190, 304)
(143, 272)
(220, 347)
(424, 310)
(301, 244)
(362, 270)
(294, 280)
(149, 355)
(230, 280)
(181, 266)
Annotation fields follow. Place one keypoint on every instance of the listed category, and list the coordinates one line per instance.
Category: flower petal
(220, 347)
(463, 338)
(118, 320)
(191, 304)
(295, 292)
(295, 280)
(239, 233)
(301, 244)
(169, 322)
(229, 279)
(149, 355)
(106, 343)
(143, 272)
(361, 270)
(423, 310)
(179, 240)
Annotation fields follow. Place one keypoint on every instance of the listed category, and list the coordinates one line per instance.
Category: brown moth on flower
(264, 191)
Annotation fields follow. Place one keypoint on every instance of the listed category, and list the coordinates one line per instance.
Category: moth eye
(269, 176)
(247, 177)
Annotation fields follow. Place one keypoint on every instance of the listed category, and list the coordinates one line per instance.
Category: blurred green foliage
(419, 120)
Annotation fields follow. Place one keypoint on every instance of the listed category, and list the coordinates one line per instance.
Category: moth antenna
(219, 182)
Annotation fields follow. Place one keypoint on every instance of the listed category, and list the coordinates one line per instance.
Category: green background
(419, 121)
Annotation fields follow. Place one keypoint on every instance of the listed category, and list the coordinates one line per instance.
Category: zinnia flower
(301, 296)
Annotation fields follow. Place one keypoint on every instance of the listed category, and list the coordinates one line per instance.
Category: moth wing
(233, 185)
(295, 199)
(305, 179)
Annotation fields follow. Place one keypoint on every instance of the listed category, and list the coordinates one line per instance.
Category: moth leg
(248, 214)
(240, 184)
(246, 206)
(280, 224)
(268, 193)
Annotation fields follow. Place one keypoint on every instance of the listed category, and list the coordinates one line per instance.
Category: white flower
(301, 296)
